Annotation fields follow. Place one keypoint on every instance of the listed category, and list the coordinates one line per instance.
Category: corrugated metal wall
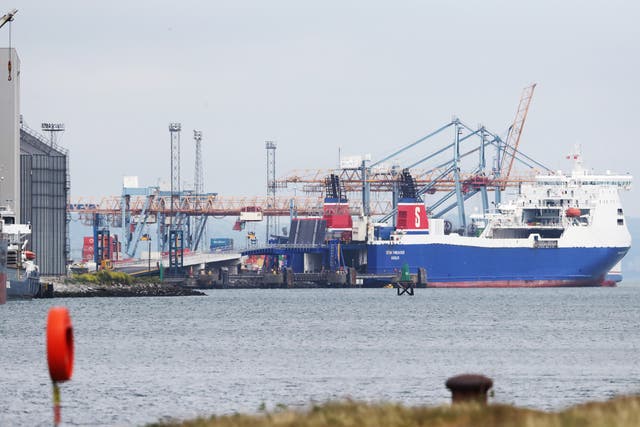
(44, 205)
(25, 189)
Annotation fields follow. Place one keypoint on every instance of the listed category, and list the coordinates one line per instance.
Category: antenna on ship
(576, 156)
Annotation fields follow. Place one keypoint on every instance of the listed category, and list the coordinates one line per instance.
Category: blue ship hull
(474, 266)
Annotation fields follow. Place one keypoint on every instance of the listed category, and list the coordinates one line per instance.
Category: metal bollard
(469, 387)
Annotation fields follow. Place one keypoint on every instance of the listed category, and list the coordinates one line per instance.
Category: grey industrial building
(44, 189)
(34, 177)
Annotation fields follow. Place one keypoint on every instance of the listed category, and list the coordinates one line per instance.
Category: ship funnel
(412, 213)
(336, 208)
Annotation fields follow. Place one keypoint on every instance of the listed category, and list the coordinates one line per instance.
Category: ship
(559, 230)
(22, 276)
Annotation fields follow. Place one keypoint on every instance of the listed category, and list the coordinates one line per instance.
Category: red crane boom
(515, 132)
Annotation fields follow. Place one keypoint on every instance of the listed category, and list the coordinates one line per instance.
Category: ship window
(619, 211)
(621, 221)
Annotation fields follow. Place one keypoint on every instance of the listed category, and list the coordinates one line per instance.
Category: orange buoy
(59, 344)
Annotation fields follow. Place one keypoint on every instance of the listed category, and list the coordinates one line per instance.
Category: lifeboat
(573, 212)
(30, 255)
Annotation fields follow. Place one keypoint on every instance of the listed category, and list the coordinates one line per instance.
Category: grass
(103, 277)
(618, 412)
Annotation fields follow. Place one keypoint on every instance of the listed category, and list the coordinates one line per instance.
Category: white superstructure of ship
(576, 209)
(22, 273)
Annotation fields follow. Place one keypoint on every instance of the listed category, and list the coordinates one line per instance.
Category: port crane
(7, 17)
(447, 168)
(515, 132)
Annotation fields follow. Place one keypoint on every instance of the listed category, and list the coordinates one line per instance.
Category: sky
(359, 77)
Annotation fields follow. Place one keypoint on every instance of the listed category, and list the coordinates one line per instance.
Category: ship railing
(292, 245)
(286, 246)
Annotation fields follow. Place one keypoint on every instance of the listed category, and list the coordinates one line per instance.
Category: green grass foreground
(618, 412)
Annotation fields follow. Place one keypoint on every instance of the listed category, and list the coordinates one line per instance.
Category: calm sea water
(141, 359)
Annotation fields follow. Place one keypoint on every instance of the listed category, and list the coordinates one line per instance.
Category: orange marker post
(59, 353)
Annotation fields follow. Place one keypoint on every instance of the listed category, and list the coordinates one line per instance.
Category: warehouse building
(44, 191)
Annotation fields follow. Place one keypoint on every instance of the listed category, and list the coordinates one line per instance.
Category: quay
(286, 278)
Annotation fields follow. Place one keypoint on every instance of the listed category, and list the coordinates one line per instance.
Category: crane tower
(174, 130)
(176, 235)
(272, 222)
(198, 188)
(198, 180)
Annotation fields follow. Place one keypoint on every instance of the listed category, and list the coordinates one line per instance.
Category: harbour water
(138, 360)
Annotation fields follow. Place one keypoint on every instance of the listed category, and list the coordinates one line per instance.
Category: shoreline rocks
(83, 290)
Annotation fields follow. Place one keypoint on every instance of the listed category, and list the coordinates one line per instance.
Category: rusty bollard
(469, 387)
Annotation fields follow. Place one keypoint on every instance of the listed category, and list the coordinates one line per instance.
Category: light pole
(148, 239)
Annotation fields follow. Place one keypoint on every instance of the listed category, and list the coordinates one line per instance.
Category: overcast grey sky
(365, 76)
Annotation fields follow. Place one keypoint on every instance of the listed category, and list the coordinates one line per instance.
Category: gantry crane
(451, 171)
(446, 174)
